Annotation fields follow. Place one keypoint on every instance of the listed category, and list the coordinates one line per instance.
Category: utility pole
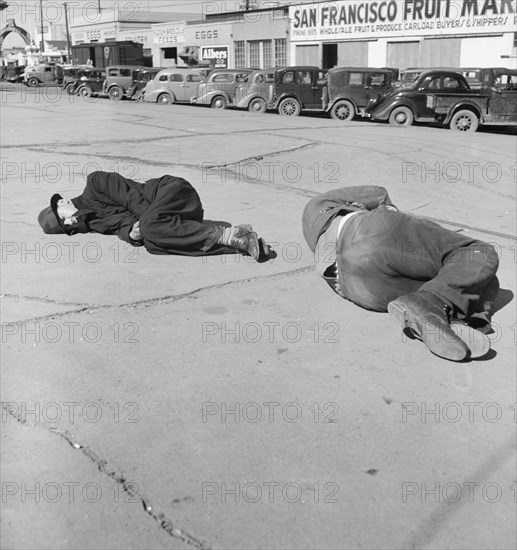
(68, 46)
(99, 6)
(42, 42)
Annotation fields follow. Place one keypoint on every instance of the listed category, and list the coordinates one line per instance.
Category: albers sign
(217, 55)
(331, 21)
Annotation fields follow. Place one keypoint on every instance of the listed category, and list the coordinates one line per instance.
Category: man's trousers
(384, 254)
(173, 223)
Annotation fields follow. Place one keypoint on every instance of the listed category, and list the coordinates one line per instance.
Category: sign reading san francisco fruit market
(346, 19)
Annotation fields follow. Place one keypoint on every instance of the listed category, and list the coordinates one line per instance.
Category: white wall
(488, 51)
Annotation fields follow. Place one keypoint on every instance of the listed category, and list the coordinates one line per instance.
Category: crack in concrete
(118, 477)
(49, 147)
(195, 166)
(163, 299)
(44, 300)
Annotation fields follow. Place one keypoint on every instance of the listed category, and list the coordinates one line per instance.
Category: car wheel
(343, 110)
(219, 102)
(402, 116)
(85, 91)
(464, 121)
(164, 99)
(32, 82)
(289, 107)
(257, 105)
(115, 93)
(70, 88)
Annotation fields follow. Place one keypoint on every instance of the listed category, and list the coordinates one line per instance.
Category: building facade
(404, 33)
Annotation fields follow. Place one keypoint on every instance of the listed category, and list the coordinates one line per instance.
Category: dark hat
(48, 218)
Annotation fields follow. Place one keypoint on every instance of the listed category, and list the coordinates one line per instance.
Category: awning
(190, 55)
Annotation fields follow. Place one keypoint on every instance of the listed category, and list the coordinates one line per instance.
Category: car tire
(402, 116)
(70, 88)
(164, 99)
(289, 107)
(85, 91)
(343, 110)
(219, 102)
(115, 93)
(257, 105)
(464, 121)
(32, 82)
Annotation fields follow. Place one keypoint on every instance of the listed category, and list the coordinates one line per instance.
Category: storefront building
(115, 25)
(404, 33)
(260, 37)
(255, 38)
(167, 43)
(185, 43)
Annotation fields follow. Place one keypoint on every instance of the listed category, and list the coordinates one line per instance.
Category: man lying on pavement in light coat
(437, 284)
(164, 215)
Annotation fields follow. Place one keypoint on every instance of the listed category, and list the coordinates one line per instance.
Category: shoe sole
(478, 343)
(404, 317)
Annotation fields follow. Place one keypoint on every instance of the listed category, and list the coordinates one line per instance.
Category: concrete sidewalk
(172, 402)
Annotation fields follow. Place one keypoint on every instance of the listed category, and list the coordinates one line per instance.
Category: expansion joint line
(118, 477)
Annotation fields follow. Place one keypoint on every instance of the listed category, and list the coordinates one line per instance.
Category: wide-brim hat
(49, 220)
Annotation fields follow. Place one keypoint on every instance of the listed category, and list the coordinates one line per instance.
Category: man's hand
(135, 234)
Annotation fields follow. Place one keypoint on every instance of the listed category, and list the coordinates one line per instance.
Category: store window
(254, 48)
(240, 54)
(260, 54)
(267, 61)
(170, 53)
(280, 52)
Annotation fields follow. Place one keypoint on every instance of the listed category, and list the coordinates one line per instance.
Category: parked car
(42, 74)
(91, 82)
(494, 104)
(70, 76)
(298, 89)
(349, 89)
(174, 85)
(13, 74)
(119, 78)
(140, 79)
(408, 76)
(219, 89)
(473, 77)
(403, 106)
(256, 93)
(446, 97)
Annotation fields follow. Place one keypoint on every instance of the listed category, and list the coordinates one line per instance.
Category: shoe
(427, 317)
(244, 238)
(478, 343)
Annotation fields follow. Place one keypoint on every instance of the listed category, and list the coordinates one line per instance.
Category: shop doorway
(329, 56)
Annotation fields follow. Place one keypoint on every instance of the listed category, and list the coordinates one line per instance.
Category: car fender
(342, 98)
(463, 104)
(383, 110)
(207, 98)
(246, 100)
(287, 95)
(165, 92)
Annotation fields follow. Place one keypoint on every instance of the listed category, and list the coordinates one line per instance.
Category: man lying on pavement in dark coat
(437, 284)
(164, 215)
